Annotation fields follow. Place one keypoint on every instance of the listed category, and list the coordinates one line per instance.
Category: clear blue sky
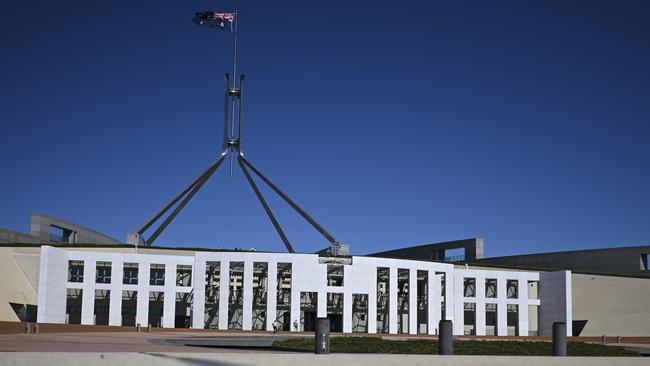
(392, 123)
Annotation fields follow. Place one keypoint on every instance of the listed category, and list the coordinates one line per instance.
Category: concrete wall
(19, 284)
(612, 305)
(41, 223)
(609, 260)
(9, 237)
(436, 252)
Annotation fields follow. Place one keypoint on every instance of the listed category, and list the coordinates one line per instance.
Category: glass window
(469, 287)
(75, 271)
(102, 305)
(512, 289)
(157, 275)
(491, 288)
(183, 275)
(129, 307)
(103, 272)
(334, 275)
(130, 274)
(212, 287)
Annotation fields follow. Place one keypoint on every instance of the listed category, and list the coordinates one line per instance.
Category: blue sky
(526, 124)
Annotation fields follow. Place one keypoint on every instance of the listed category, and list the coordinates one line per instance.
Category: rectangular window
(130, 274)
(491, 323)
(513, 319)
(491, 288)
(157, 275)
(334, 275)
(182, 308)
(403, 300)
(103, 272)
(469, 318)
(156, 306)
(129, 307)
(283, 297)
(73, 306)
(308, 307)
(75, 271)
(260, 285)
(102, 305)
(212, 287)
(533, 320)
(335, 311)
(236, 300)
(383, 283)
(512, 289)
(423, 301)
(469, 287)
(183, 275)
(359, 313)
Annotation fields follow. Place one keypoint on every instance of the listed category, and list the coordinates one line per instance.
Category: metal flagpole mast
(234, 86)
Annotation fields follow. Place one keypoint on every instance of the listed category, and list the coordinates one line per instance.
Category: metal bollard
(446, 338)
(322, 339)
(559, 339)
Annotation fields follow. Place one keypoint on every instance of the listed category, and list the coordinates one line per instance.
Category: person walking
(295, 325)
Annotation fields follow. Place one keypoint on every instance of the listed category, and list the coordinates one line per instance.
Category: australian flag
(223, 21)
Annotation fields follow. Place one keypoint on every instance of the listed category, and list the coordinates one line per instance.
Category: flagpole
(234, 84)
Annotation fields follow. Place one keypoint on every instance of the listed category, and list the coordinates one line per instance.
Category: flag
(223, 21)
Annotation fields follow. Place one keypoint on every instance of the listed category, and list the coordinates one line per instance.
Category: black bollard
(322, 346)
(559, 339)
(446, 337)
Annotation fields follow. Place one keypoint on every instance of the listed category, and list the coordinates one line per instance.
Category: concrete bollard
(322, 339)
(604, 339)
(149, 328)
(618, 339)
(446, 338)
(37, 328)
(559, 339)
(28, 328)
(138, 328)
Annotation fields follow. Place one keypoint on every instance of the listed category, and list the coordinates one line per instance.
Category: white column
(433, 302)
(522, 295)
(198, 297)
(450, 301)
(88, 295)
(322, 305)
(224, 290)
(142, 311)
(392, 301)
(115, 306)
(271, 295)
(413, 301)
(502, 307)
(372, 300)
(295, 300)
(347, 312)
(480, 304)
(169, 300)
(459, 303)
(247, 311)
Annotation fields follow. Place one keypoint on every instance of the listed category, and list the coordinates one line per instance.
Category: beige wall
(612, 305)
(18, 279)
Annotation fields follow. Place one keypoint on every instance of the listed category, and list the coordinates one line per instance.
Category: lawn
(428, 347)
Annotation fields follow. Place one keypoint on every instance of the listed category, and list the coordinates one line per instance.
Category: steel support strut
(266, 207)
(288, 200)
(180, 195)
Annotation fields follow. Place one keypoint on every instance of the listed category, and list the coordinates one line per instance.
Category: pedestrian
(295, 325)
(275, 327)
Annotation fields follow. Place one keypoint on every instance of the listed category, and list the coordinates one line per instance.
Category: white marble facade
(308, 275)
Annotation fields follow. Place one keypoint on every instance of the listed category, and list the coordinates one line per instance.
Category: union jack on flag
(223, 21)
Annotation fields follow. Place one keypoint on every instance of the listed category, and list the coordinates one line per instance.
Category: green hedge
(425, 346)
